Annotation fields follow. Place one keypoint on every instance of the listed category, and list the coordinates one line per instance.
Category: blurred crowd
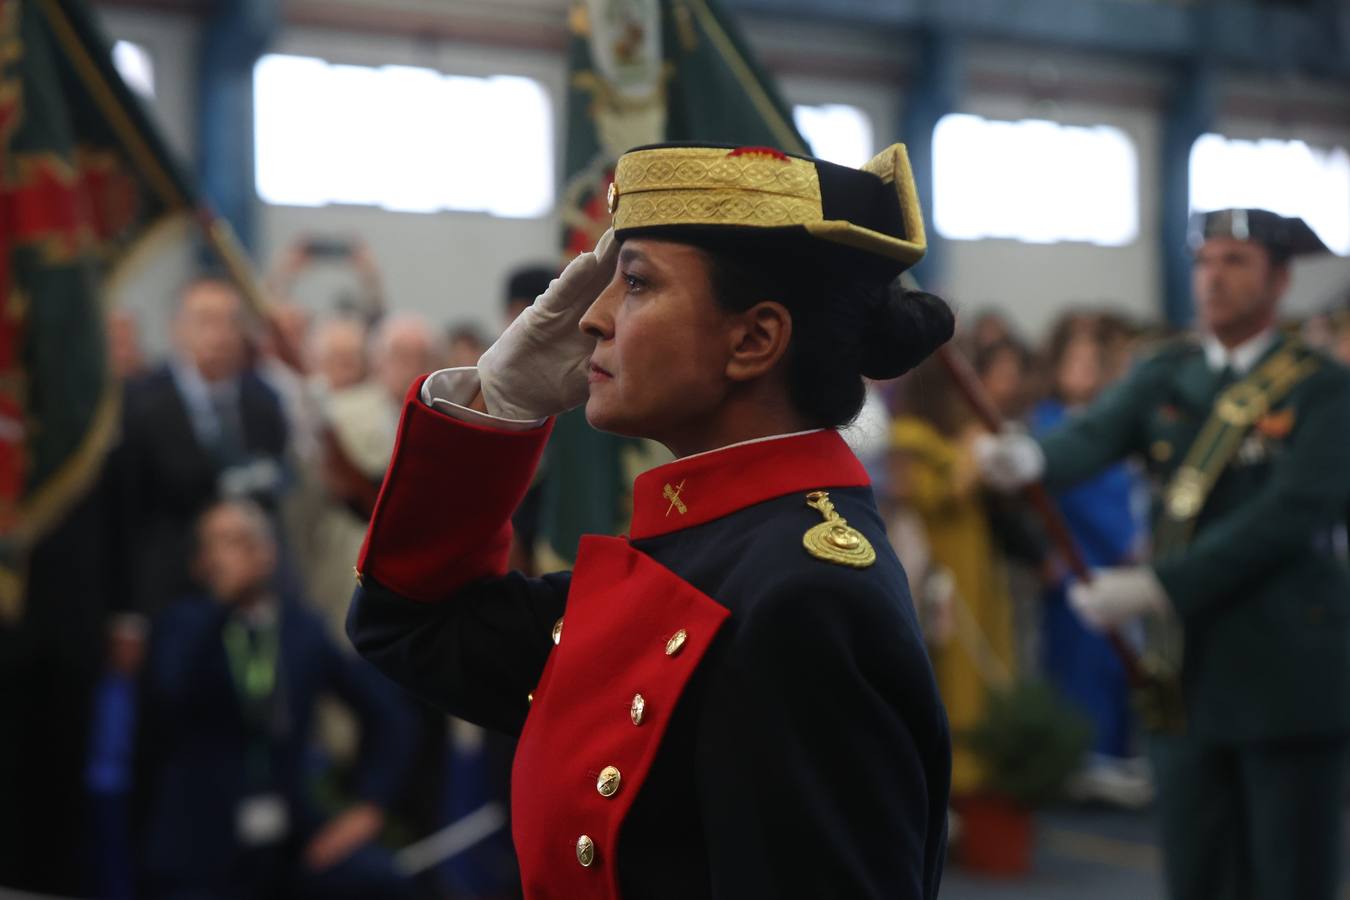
(238, 747)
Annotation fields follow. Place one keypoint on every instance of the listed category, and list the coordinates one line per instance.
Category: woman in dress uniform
(733, 701)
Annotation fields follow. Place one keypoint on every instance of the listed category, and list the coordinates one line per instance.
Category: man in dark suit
(202, 426)
(230, 688)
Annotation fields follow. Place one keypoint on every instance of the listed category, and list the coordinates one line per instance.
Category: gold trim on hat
(709, 186)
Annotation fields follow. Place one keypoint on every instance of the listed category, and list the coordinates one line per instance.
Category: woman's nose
(598, 321)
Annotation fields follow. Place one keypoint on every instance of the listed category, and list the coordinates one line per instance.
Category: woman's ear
(759, 339)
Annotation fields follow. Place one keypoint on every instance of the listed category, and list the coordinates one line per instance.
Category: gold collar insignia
(673, 495)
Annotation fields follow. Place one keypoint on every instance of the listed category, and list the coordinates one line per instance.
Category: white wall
(1036, 282)
(450, 266)
(171, 40)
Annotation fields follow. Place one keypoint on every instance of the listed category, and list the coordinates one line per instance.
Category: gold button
(608, 782)
(585, 850)
(557, 631)
(637, 709)
(676, 642)
(529, 698)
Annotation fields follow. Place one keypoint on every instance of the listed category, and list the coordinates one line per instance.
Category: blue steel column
(1190, 114)
(233, 37)
(934, 91)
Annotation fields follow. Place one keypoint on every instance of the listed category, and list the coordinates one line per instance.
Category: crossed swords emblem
(673, 495)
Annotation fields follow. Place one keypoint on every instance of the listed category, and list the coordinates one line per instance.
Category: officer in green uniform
(1246, 434)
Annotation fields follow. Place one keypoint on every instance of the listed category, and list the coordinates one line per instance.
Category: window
(137, 68)
(1034, 181)
(400, 137)
(838, 133)
(1286, 177)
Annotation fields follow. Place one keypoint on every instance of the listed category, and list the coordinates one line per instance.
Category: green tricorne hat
(863, 220)
(1284, 236)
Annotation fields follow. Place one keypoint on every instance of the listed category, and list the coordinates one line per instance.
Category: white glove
(1117, 595)
(538, 367)
(1009, 460)
(450, 390)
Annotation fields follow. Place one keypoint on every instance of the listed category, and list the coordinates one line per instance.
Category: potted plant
(1028, 743)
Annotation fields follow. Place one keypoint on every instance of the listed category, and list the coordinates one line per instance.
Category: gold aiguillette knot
(834, 540)
(1185, 496)
(1242, 404)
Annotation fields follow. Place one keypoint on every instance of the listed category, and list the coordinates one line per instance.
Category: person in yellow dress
(934, 477)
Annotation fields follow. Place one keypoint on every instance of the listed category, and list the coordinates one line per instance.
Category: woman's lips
(597, 373)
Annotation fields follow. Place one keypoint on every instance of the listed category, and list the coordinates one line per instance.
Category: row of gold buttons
(557, 639)
(673, 645)
(607, 785)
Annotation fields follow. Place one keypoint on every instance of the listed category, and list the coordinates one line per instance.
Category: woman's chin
(596, 413)
(602, 416)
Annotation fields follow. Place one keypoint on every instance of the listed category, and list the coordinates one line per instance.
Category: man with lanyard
(231, 684)
(1246, 605)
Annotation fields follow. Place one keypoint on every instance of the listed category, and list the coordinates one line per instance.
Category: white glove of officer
(1008, 461)
(538, 367)
(1117, 595)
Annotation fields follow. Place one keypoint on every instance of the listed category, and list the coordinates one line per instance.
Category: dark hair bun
(902, 331)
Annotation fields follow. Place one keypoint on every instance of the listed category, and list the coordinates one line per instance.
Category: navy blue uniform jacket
(705, 709)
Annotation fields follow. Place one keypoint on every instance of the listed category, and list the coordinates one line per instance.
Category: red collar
(707, 486)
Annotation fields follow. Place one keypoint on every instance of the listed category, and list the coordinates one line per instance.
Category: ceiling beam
(1235, 32)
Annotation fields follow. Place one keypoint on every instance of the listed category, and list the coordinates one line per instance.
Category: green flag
(84, 179)
(648, 71)
(640, 72)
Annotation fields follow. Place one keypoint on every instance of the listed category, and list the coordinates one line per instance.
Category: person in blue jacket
(230, 688)
(1101, 515)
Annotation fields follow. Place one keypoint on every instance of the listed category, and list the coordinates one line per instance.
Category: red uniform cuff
(443, 517)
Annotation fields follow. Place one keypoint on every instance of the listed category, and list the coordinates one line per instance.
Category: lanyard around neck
(253, 661)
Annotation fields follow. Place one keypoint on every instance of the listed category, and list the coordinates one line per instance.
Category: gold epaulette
(834, 540)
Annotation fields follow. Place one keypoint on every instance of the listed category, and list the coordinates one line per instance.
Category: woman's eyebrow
(631, 254)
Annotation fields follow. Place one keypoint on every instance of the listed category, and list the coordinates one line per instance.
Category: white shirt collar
(195, 388)
(196, 392)
(758, 440)
(188, 380)
(1242, 357)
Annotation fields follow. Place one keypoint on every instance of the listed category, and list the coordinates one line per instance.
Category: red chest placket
(632, 636)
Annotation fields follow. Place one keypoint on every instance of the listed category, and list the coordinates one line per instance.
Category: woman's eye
(634, 282)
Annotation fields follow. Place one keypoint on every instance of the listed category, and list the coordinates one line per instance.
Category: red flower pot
(996, 835)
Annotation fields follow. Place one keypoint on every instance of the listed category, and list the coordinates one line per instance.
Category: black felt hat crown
(1283, 236)
(867, 218)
